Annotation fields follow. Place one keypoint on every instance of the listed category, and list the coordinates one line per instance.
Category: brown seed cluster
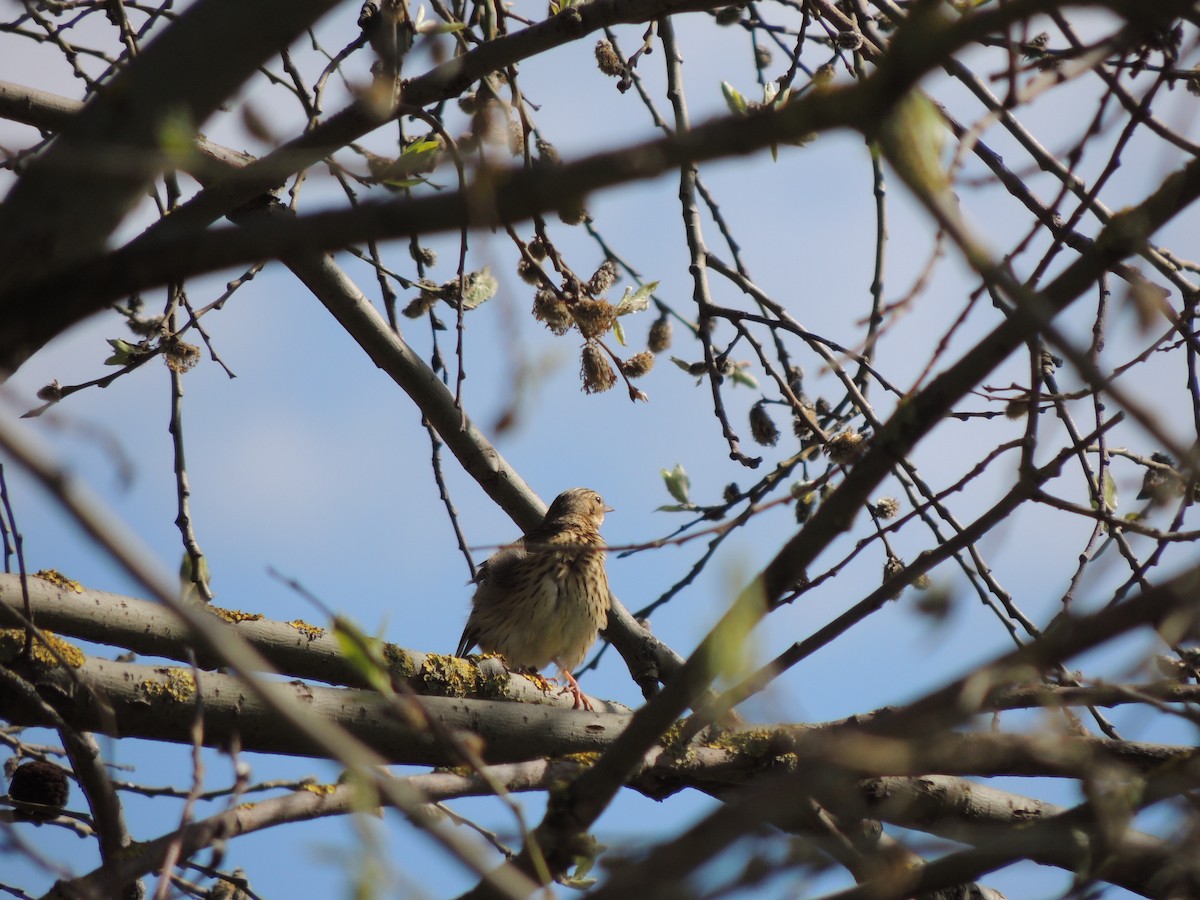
(609, 60)
(845, 447)
(638, 365)
(43, 783)
(595, 370)
(594, 317)
(762, 427)
(660, 335)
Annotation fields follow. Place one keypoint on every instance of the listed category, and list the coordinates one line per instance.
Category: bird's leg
(573, 687)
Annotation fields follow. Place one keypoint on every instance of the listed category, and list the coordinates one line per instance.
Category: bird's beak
(608, 508)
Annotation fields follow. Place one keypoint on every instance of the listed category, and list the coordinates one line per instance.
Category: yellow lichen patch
(234, 616)
(492, 685)
(759, 743)
(452, 676)
(399, 663)
(584, 759)
(57, 579)
(44, 655)
(671, 739)
(312, 632)
(447, 676)
(179, 685)
(323, 790)
(460, 771)
(539, 681)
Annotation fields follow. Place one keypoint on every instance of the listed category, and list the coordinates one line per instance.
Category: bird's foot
(540, 680)
(573, 687)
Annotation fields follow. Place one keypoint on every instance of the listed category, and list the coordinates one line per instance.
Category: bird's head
(579, 505)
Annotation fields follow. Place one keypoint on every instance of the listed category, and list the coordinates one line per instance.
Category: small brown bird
(544, 599)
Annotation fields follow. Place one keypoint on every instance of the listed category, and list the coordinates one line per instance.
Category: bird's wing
(497, 573)
(467, 642)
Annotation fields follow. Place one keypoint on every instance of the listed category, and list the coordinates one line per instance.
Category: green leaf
(585, 858)
(363, 652)
(433, 27)
(399, 184)
(636, 301)
(741, 376)
(124, 353)
(176, 137)
(911, 137)
(480, 287)
(188, 583)
(676, 507)
(733, 98)
(678, 483)
(422, 146)
(731, 647)
(619, 332)
(1110, 491)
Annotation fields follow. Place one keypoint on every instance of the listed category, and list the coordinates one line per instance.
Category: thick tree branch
(72, 196)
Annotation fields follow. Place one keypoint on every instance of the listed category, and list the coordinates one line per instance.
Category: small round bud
(800, 425)
(1161, 483)
(536, 249)
(597, 374)
(1035, 46)
(660, 335)
(573, 212)
(145, 327)
(845, 447)
(608, 60)
(893, 566)
(1050, 362)
(762, 57)
(922, 582)
(848, 40)
(638, 365)
(528, 272)
(804, 508)
(1016, 408)
(51, 393)
(728, 15)
(732, 492)
(762, 428)
(43, 783)
(801, 489)
(594, 317)
(423, 255)
(420, 305)
(603, 278)
(548, 308)
(886, 508)
(547, 153)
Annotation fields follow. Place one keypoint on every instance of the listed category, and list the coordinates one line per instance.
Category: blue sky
(313, 463)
